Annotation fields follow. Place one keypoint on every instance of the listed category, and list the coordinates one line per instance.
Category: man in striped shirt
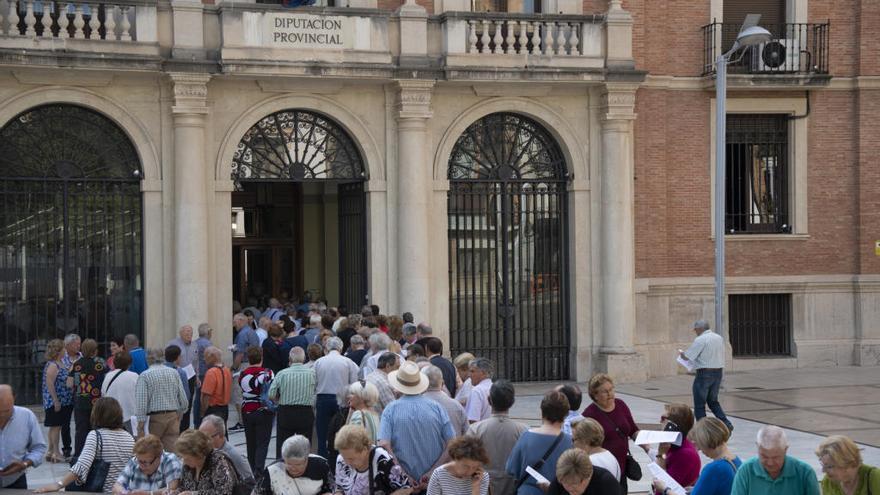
(294, 390)
(159, 395)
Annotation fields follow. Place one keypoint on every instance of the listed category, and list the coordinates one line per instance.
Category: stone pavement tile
(731, 403)
(819, 396)
(868, 412)
(867, 437)
(806, 420)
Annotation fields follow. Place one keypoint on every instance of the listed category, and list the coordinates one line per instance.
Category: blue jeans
(706, 386)
(325, 408)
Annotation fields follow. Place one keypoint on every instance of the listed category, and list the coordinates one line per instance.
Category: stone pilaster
(413, 196)
(617, 245)
(190, 198)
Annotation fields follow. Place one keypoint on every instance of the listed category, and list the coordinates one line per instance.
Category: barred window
(760, 325)
(757, 174)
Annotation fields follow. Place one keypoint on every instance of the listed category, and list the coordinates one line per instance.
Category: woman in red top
(615, 418)
(257, 418)
(681, 462)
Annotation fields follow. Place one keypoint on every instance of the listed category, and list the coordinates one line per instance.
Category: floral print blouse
(217, 477)
(387, 476)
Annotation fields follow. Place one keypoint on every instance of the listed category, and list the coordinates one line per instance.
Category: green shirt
(867, 475)
(796, 478)
(295, 386)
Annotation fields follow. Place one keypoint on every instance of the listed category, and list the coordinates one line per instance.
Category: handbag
(631, 468)
(538, 465)
(97, 473)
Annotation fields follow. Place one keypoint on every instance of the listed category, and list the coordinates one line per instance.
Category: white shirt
(122, 390)
(707, 351)
(608, 461)
(333, 372)
(262, 334)
(478, 403)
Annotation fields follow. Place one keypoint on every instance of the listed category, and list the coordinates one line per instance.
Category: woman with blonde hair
(57, 397)
(576, 475)
(362, 397)
(588, 436)
(710, 435)
(463, 385)
(845, 474)
(358, 459)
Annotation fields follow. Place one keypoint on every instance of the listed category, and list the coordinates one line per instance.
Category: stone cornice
(414, 99)
(190, 92)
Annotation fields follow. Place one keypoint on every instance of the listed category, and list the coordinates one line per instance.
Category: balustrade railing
(535, 37)
(74, 20)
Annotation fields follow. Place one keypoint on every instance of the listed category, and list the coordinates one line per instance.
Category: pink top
(683, 463)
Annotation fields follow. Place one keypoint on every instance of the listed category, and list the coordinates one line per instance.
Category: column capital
(190, 92)
(618, 102)
(414, 99)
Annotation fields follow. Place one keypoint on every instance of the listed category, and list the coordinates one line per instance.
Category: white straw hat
(408, 380)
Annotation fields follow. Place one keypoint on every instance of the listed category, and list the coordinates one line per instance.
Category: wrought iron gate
(352, 246)
(507, 248)
(70, 237)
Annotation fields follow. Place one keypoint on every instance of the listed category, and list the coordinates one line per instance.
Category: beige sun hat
(408, 380)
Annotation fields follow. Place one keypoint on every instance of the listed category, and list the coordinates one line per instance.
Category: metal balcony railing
(795, 49)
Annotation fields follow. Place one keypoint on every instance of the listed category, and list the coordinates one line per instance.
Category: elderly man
(453, 408)
(706, 355)
(434, 352)
(424, 332)
(388, 362)
(21, 438)
(293, 389)
(189, 363)
(414, 428)
(72, 344)
(773, 472)
(138, 355)
(499, 434)
(357, 352)
(478, 407)
(246, 337)
(275, 310)
(215, 428)
(217, 386)
(379, 343)
(202, 344)
(313, 330)
(333, 371)
(262, 331)
(159, 396)
(410, 333)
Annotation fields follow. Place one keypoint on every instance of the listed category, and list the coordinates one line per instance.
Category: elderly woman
(151, 471)
(576, 475)
(358, 460)
(465, 474)
(362, 397)
(710, 435)
(299, 473)
(534, 443)
(844, 472)
(588, 436)
(616, 420)
(463, 384)
(682, 462)
(57, 397)
(88, 372)
(120, 384)
(205, 470)
(107, 441)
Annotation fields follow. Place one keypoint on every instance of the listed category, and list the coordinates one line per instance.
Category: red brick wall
(869, 180)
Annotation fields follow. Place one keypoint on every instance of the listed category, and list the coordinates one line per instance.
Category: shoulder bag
(631, 469)
(97, 472)
(538, 465)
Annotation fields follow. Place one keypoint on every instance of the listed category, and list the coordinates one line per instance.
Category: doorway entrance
(298, 212)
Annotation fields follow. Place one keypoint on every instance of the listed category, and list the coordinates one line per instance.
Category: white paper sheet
(190, 371)
(650, 437)
(684, 362)
(538, 476)
(658, 473)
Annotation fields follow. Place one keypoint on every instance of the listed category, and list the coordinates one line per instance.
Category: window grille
(760, 325)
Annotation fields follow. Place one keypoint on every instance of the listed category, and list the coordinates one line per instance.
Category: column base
(630, 367)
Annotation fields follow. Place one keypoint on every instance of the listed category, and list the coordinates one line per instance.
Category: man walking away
(707, 356)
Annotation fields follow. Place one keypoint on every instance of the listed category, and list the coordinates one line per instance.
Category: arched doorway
(508, 276)
(299, 220)
(70, 236)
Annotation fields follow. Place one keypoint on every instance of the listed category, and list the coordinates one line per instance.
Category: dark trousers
(67, 412)
(257, 433)
(184, 418)
(197, 406)
(707, 383)
(325, 408)
(624, 490)
(293, 420)
(83, 426)
(20, 483)
(221, 411)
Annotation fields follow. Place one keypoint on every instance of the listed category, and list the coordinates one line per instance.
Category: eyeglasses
(148, 463)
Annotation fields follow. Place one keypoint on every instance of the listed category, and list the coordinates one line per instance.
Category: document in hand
(539, 478)
(684, 362)
(658, 473)
(649, 437)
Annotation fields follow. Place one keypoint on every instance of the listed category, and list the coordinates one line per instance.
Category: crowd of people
(364, 404)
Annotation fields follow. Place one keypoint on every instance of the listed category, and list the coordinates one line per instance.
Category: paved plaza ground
(809, 403)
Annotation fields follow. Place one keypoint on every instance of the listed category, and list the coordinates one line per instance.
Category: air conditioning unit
(779, 55)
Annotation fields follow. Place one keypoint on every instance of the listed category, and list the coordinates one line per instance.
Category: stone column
(413, 197)
(617, 255)
(190, 279)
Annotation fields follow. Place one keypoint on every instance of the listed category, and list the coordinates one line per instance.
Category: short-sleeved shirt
(683, 463)
(218, 385)
(246, 337)
(132, 478)
(528, 450)
(315, 479)
(621, 418)
(444, 482)
(294, 386)
(601, 483)
(386, 393)
(869, 482)
(334, 371)
(717, 478)
(418, 429)
(478, 407)
(189, 353)
(88, 375)
(252, 381)
(707, 351)
(499, 434)
(796, 478)
(388, 477)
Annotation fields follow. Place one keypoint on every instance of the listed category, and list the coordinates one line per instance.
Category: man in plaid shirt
(150, 470)
(159, 395)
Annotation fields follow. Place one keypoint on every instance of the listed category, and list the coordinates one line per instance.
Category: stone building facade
(498, 161)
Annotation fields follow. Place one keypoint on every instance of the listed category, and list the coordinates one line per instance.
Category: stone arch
(346, 119)
(575, 153)
(130, 125)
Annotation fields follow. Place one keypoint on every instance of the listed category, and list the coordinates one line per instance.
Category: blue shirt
(796, 478)
(418, 429)
(201, 344)
(183, 379)
(246, 337)
(138, 360)
(527, 451)
(21, 439)
(716, 478)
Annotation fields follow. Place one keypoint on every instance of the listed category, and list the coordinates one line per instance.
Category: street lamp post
(750, 34)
